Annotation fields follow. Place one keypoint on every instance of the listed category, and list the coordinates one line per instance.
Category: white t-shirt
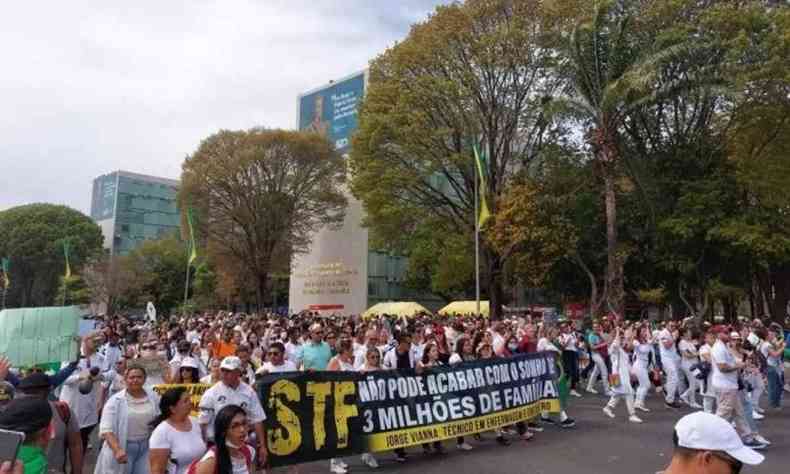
(184, 447)
(568, 342)
(268, 367)
(721, 355)
(686, 346)
(221, 395)
(668, 354)
(239, 464)
(545, 345)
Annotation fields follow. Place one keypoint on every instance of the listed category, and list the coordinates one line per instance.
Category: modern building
(131, 208)
(341, 273)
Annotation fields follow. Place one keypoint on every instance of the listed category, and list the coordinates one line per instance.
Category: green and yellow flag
(6, 264)
(485, 214)
(192, 244)
(66, 254)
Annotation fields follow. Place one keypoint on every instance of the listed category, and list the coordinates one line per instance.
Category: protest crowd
(125, 383)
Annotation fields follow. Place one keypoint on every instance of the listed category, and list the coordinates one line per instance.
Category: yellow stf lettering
(319, 392)
(343, 411)
(281, 445)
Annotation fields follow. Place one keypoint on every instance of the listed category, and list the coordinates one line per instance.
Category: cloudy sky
(91, 87)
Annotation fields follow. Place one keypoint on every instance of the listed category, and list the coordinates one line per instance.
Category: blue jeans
(748, 410)
(775, 384)
(137, 453)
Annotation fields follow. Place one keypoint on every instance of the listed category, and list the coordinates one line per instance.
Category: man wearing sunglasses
(275, 361)
(707, 444)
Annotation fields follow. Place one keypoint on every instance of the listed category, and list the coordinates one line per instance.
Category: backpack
(245, 450)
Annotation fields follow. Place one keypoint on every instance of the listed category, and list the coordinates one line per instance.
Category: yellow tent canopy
(465, 307)
(403, 308)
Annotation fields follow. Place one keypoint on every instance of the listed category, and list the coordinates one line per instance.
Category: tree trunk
(496, 294)
(261, 290)
(614, 270)
(779, 292)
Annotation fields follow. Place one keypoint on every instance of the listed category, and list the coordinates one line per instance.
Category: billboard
(103, 198)
(332, 110)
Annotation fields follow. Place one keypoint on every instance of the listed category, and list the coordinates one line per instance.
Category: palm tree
(612, 72)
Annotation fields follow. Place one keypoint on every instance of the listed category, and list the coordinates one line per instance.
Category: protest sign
(196, 390)
(153, 365)
(31, 336)
(320, 415)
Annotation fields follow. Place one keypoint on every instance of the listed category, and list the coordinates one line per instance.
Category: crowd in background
(736, 371)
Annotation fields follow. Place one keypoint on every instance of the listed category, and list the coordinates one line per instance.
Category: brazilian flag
(563, 382)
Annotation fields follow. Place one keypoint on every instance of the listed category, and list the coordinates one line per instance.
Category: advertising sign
(332, 111)
(321, 415)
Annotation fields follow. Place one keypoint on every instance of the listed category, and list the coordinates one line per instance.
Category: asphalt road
(597, 445)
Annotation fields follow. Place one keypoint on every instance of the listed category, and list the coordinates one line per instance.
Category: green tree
(614, 69)
(156, 273)
(473, 72)
(32, 237)
(262, 194)
(72, 291)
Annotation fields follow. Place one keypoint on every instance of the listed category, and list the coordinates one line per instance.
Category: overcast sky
(91, 87)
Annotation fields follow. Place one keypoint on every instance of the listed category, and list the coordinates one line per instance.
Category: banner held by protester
(195, 390)
(321, 415)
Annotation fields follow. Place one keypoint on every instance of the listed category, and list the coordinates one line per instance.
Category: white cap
(189, 362)
(231, 363)
(707, 432)
(735, 335)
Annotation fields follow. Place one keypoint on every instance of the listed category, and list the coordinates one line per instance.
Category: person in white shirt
(708, 394)
(230, 390)
(185, 352)
(371, 342)
(231, 454)
(773, 349)
(111, 351)
(176, 440)
(689, 357)
(214, 374)
(570, 355)
(276, 362)
(621, 367)
(670, 362)
(82, 391)
(725, 384)
(643, 348)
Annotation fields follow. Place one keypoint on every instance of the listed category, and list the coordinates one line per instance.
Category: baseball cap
(707, 432)
(231, 363)
(27, 415)
(735, 335)
(190, 362)
(34, 381)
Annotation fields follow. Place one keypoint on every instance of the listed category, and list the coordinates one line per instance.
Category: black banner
(321, 415)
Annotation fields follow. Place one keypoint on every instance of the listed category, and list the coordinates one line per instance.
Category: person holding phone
(30, 416)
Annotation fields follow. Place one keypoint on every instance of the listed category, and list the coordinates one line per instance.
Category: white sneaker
(759, 410)
(370, 461)
(757, 416)
(592, 390)
(575, 393)
(465, 446)
(695, 406)
(634, 419)
(762, 440)
(608, 412)
(337, 468)
(641, 407)
(341, 463)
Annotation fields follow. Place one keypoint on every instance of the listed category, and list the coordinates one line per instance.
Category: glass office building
(131, 208)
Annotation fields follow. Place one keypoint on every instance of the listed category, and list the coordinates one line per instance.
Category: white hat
(231, 363)
(735, 335)
(189, 362)
(707, 432)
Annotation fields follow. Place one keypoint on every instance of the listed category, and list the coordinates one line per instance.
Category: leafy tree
(72, 291)
(473, 72)
(261, 194)
(32, 236)
(156, 271)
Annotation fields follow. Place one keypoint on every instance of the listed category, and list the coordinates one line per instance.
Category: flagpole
(477, 242)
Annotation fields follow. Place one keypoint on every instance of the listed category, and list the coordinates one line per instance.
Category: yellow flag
(485, 214)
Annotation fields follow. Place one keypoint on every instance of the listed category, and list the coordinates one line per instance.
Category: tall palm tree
(612, 71)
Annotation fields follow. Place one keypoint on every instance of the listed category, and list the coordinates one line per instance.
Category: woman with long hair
(621, 371)
(689, 357)
(125, 426)
(430, 358)
(643, 349)
(231, 454)
(372, 363)
(188, 371)
(176, 441)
